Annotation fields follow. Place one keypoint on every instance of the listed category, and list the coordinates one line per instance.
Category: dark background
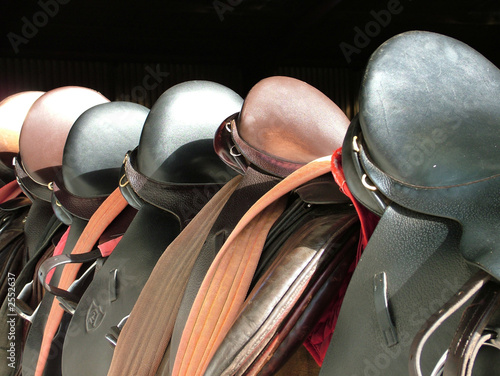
(113, 46)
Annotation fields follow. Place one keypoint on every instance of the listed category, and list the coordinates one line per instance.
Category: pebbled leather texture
(424, 269)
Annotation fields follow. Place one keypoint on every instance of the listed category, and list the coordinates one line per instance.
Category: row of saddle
(211, 235)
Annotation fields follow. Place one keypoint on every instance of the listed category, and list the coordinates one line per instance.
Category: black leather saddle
(169, 177)
(423, 154)
(85, 180)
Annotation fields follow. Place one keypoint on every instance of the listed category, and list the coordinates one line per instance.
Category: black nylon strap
(182, 200)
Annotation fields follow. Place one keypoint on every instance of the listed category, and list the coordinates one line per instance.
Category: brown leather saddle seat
(277, 131)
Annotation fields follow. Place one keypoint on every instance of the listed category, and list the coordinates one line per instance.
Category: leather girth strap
(101, 219)
(468, 290)
(226, 284)
(151, 322)
(472, 332)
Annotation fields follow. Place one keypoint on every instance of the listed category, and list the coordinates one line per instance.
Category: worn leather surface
(425, 103)
(299, 264)
(424, 269)
(291, 120)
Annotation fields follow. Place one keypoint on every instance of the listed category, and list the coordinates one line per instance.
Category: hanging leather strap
(101, 219)
(144, 339)
(226, 284)
(472, 332)
(468, 290)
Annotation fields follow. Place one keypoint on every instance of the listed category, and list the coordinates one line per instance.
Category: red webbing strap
(319, 339)
(9, 191)
(58, 250)
(144, 338)
(226, 284)
(101, 219)
(368, 220)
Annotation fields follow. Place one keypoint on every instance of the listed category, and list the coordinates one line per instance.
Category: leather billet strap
(239, 154)
(225, 286)
(81, 207)
(30, 186)
(473, 333)
(182, 200)
(468, 290)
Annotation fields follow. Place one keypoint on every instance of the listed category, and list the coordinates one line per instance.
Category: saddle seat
(276, 132)
(428, 137)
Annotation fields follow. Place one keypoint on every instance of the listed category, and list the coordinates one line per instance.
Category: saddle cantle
(416, 156)
(276, 130)
(169, 177)
(13, 111)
